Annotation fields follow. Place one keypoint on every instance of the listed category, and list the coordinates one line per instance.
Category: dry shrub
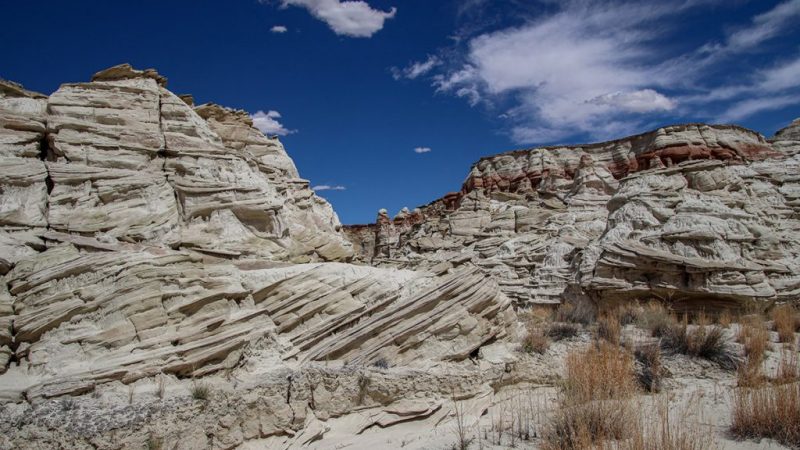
(628, 313)
(536, 340)
(707, 342)
(788, 369)
(601, 372)
(650, 370)
(748, 325)
(200, 391)
(154, 443)
(609, 329)
(580, 312)
(725, 319)
(785, 319)
(701, 319)
(595, 403)
(753, 335)
(660, 432)
(655, 318)
(585, 426)
(463, 438)
(772, 411)
(538, 314)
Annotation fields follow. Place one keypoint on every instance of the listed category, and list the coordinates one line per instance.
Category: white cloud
(596, 67)
(268, 123)
(573, 69)
(762, 27)
(279, 29)
(781, 77)
(346, 18)
(416, 69)
(645, 100)
(784, 77)
(749, 107)
(326, 187)
(420, 150)
(766, 25)
(470, 93)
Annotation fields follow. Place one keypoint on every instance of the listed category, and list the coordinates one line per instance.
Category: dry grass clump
(789, 368)
(600, 372)
(576, 312)
(598, 408)
(595, 402)
(772, 411)
(753, 335)
(787, 321)
(463, 438)
(200, 391)
(650, 370)
(725, 319)
(586, 426)
(536, 340)
(628, 313)
(749, 325)
(538, 314)
(609, 328)
(154, 443)
(658, 431)
(655, 318)
(703, 341)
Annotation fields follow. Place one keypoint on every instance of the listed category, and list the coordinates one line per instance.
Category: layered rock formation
(167, 273)
(143, 239)
(694, 212)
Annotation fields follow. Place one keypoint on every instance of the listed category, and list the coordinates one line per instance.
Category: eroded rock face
(88, 313)
(150, 247)
(143, 239)
(130, 159)
(693, 212)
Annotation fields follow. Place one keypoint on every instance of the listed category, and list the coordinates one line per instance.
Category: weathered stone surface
(23, 187)
(151, 251)
(141, 237)
(87, 312)
(307, 219)
(692, 211)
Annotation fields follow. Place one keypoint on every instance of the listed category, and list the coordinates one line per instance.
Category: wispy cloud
(421, 150)
(766, 26)
(416, 69)
(326, 187)
(268, 123)
(570, 69)
(279, 29)
(599, 68)
(345, 18)
(746, 108)
(642, 101)
(766, 89)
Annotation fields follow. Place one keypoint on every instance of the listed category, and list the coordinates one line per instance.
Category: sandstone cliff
(143, 239)
(704, 214)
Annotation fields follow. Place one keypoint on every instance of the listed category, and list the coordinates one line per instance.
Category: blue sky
(388, 102)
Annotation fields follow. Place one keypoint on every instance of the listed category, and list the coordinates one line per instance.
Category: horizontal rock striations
(167, 274)
(696, 212)
(142, 237)
(130, 159)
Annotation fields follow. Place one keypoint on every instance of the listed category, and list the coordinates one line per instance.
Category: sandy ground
(698, 391)
(508, 411)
